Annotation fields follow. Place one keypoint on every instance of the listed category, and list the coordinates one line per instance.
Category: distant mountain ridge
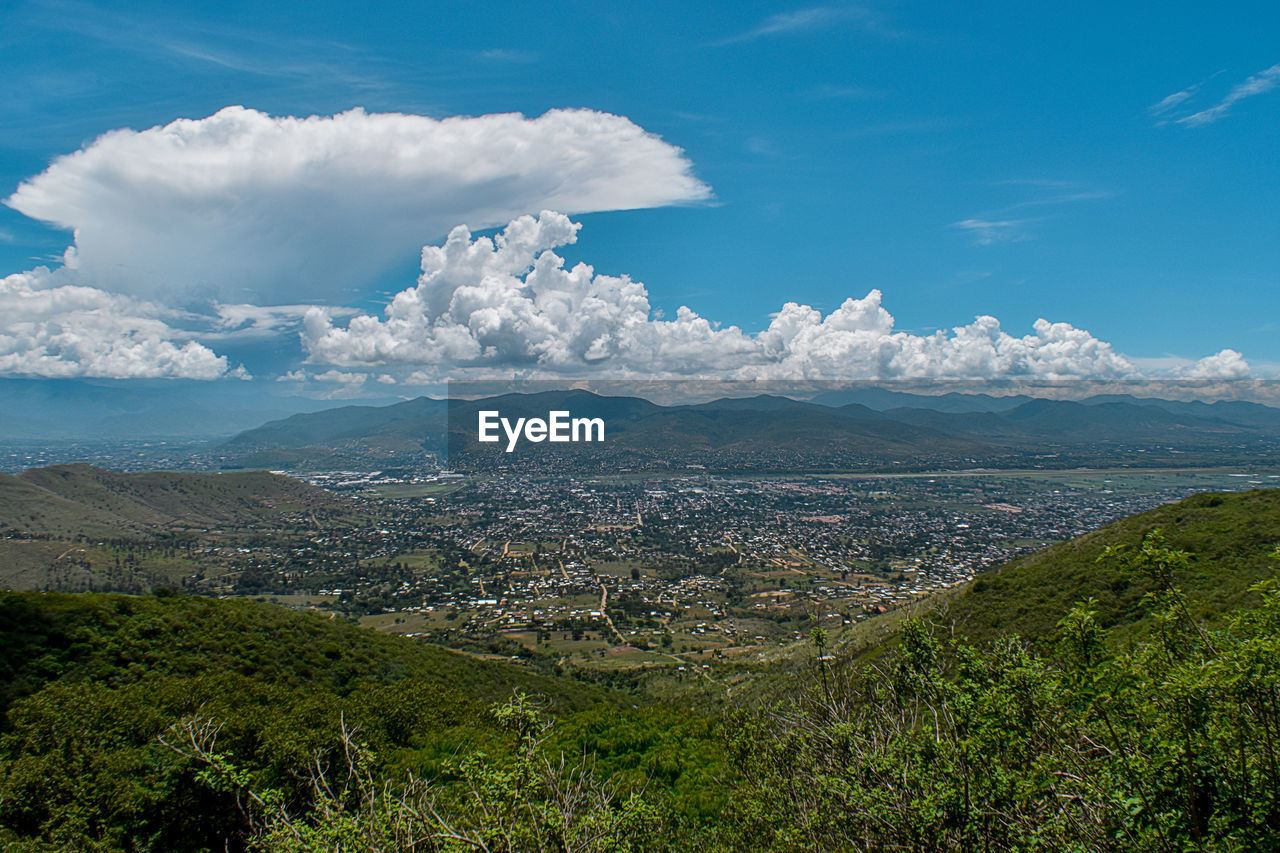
(345, 423)
(781, 433)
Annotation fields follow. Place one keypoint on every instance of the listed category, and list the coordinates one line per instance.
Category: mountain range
(772, 433)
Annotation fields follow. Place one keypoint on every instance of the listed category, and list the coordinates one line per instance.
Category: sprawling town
(627, 572)
(632, 571)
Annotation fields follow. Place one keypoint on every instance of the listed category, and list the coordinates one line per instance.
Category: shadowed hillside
(81, 501)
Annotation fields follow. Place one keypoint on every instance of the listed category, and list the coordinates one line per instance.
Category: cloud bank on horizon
(244, 224)
(509, 304)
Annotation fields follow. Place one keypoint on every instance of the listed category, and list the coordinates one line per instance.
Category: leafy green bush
(1170, 744)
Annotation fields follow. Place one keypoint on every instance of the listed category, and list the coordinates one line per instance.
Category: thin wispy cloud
(1051, 183)
(804, 20)
(1062, 198)
(829, 92)
(235, 49)
(762, 146)
(1263, 81)
(515, 57)
(1168, 102)
(985, 232)
(248, 60)
(998, 225)
(890, 128)
(1167, 109)
(320, 64)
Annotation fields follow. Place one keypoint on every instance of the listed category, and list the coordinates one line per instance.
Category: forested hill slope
(122, 639)
(90, 682)
(1129, 722)
(73, 501)
(1230, 539)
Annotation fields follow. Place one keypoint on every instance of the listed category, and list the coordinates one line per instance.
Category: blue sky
(1109, 168)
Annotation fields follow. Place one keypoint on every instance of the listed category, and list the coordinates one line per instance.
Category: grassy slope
(30, 509)
(31, 564)
(68, 501)
(1230, 537)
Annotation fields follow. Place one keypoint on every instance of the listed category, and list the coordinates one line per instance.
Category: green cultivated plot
(417, 490)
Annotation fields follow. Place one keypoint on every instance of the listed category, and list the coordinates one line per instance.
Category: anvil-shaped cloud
(244, 207)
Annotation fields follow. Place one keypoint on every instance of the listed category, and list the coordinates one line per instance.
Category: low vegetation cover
(1229, 540)
(1167, 744)
(1147, 722)
(80, 502)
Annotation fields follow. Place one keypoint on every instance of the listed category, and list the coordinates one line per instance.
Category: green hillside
(1230, 539)
(83, 502)
(89, 682)
(122, 639)
(1117, 692)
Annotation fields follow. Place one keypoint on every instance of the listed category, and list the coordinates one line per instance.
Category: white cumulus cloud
(509, 304)
(242, 206)
(52, 328)
(1227, 364)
